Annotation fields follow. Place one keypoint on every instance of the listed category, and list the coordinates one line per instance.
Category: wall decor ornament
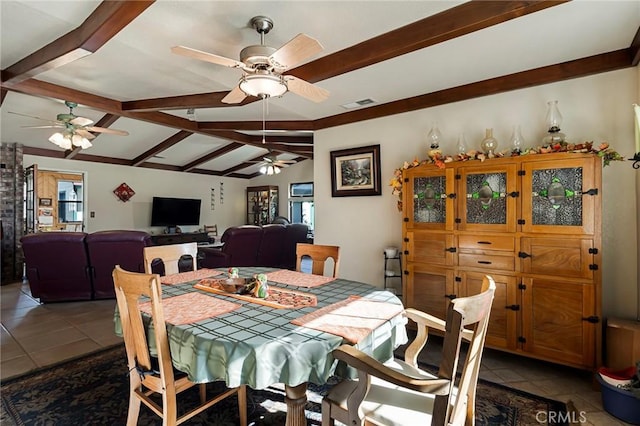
(213, 198)
(355, 171)
(124, 192)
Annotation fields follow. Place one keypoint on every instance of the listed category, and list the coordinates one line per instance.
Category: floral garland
(603, 151)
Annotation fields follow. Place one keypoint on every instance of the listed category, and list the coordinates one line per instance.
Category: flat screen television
(175, 211)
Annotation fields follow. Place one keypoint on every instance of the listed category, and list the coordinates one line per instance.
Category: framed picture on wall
(355, 171)
(45, 202)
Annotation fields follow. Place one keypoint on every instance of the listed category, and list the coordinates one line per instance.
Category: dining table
(286, 338)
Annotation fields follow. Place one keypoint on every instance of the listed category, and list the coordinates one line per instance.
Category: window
(70, 195)
(301, 208)
(304, 189)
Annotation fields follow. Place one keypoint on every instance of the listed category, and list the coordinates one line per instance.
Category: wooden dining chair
(156, 375)
(319, 255)
(399, 392)
(170, 256)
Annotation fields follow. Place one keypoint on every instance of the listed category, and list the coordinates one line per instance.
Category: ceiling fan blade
(106, 130)
(52, 126)
(205, 56)
(81, 121)
(295, 51)
(85, 134)
(306, 89)
(235, 96)
(37, 118)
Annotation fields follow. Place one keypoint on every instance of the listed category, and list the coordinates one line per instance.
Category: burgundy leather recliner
(272, 244)
(240, 248)
(110, 248)
(57, 266)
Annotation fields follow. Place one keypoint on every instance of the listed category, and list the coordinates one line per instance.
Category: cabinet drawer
(486, 242)
(504, 263)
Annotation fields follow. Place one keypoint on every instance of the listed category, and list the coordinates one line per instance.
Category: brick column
(11, 211)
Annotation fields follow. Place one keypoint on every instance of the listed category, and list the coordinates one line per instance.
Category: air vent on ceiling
(356, 104)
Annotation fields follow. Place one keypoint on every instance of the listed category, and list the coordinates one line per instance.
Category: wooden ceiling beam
(634, 49)
(215, 154)
(564, 71)
(291, 125)
(107, 20)
(243, 165)
(165, 144)
(201, 100)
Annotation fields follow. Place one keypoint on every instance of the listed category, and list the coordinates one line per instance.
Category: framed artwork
(355, 171)
(45, 202)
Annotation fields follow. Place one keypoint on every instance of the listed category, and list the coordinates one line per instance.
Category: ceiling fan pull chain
(264, 129)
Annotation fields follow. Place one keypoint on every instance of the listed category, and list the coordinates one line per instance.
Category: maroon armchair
(110, 248)
(57, 266)
(240, 248)
(272, 244)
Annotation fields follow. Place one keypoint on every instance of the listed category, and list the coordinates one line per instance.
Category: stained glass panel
(557, 197)
(429, 199)
(486, 198)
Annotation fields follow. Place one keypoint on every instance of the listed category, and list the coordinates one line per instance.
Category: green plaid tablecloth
(258, 346)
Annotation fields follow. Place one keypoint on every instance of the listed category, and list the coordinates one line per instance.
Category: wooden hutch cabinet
(531, 222)
(262, 204)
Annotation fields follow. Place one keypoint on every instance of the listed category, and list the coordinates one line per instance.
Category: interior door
(30, 191)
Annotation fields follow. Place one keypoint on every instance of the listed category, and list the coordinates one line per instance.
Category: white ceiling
(137, 62)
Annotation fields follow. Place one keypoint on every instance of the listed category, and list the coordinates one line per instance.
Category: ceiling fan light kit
(66, 141)
(270, 170)
(263, 85)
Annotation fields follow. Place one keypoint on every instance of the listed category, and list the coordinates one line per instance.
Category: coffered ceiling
(114, 59)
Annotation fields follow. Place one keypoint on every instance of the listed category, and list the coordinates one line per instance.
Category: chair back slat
(170, 256)
(130, 288)
(474, 312)
(319, 255)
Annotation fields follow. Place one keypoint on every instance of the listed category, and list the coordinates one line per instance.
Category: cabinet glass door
(488, 198)
(429, 198)
(559, 199)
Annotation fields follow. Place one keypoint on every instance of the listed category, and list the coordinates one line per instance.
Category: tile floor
(35, 335)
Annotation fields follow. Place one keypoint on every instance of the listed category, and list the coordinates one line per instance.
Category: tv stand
(187, 237)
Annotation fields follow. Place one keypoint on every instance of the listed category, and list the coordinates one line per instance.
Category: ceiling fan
(263, 66)
(271, 165)
(75, 131)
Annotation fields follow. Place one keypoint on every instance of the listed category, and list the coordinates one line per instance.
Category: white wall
(111, 213)
(596, 108)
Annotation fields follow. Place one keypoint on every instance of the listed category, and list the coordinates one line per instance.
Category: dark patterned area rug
(93, 390)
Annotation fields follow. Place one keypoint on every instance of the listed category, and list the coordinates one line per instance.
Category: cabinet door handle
(592, 319)
(523, 255)
(485, 242)
(513, 307)
(450, 296)
(484, 262)
(450, 249)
